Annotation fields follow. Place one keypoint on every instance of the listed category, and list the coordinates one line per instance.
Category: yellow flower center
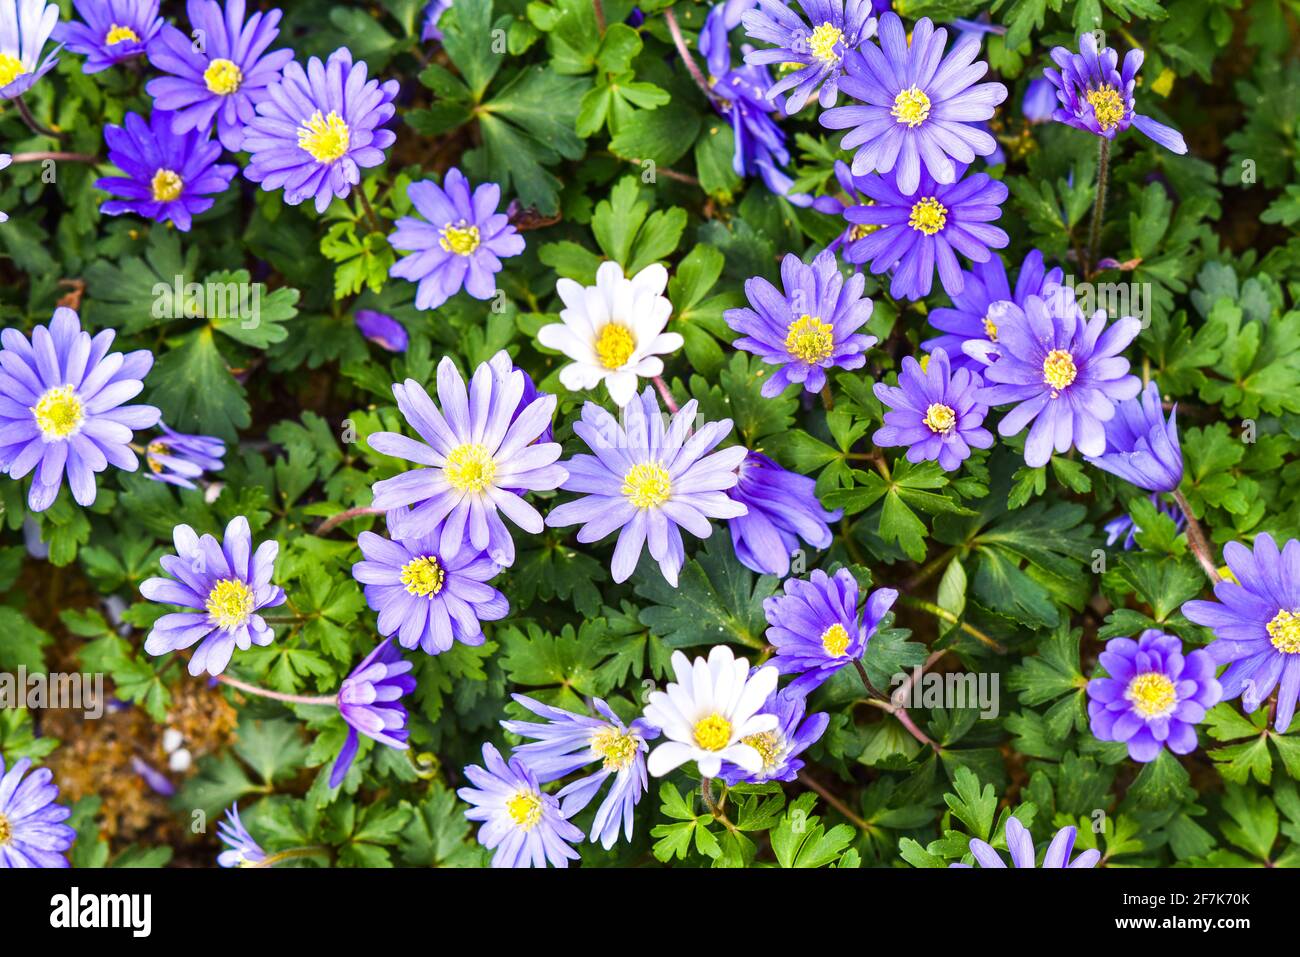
(525, 809)
(809, 339)
(1107, 105)
(167, 186)
(823, 42)
(59, 413)
(615, 747)
(911, 106)
(940, 418)
(928, 216)
(1284, 632)
(470, 467)
(230, 603)
(120, 35)
(647, 485)
(862, 230)
(1153, 695)
(156, 448)
(423, 576)
(224, 77)
(990, 329)
(769, 746)
(326, 138)
(461, 240)
(1059, 370)
(11, 68)
(835, 640)
(712, 733)
(6, 832)
(615, 345)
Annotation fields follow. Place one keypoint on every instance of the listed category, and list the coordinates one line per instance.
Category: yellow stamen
(615, 345)
(990, 329)
(120, 35)
(230, 603)
(616, 748)
(928, 216)
(326, 138)
(809, 339)
(6, 832)
(769, 746)
(423, 576)
(1153, 695)
(1107, 105)
(224, 77)
(940, 418)
(11, 68)
(155, 448)
(647, 485)
(470, 467)
(835, 640)
(167, 186)
(911, 106)
(1284, 632)
(525, 809)
(59, 413)
(823, 41)
(461, 240)
(1059, 370)
(712, 733)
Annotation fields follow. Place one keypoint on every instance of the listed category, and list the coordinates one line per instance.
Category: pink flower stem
(334, 521)
(680, 42)
(276, 695)
(666, 394)
(1197, 541)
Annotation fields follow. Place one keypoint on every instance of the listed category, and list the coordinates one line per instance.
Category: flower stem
(26, 113)
(272, 859)
(680, 42)
(665, 393)
(334, 521)
(1196, 539)
(895, 705)
(599, 9)
(276, 695)
(706, 792)
(828, 400)
(833, 801)
(42, 155)
(945, 615)
(1099, 208)
(375, 225)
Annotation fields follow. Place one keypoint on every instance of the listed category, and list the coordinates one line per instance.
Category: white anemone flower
(709, 712)
(613, 331)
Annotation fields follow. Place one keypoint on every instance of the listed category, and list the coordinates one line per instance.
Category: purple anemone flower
(970, 336)
(924, 229)
(481, 453)
(242, 851)
(1141, 446)
(61, 408)
(918, 109)
(224, 76)
(113, 31)
(815, 626)
(316, 129)
(1097, 98)
(524, 826)
(648, 481)
(1155, 694)
(783, 508)
(32, 832)
(382, 329)
(1123, 529)
(170, 177)
(813, 56)
(1064, 372)
(370, 701)
(460, 246)
(811, 327)
(423, 596)
(1256, 622)
(568, 742)
(779, 748)
(1021, 845)
(226, 585)
(179, 459)
(1039, 102)
(25, 25)
(432, 14)
(934, 412)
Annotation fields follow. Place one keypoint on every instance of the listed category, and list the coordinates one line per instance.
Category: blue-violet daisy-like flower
(1064, 371)
(525, 827)
(934, 412)
(179, 459)
(809, 328)
(224, 75)
(813, 56)
(781, 746)
(242, 850)
(316, 129)
(480, 453)
(1256, 622)
(460, 246)
(783, 508)
(1097, 98)
(61, 408)
(226, 585)
(1021, 845)
(32, 832)
(25, 25)
(382, 329)
(170, 177)
(113, 31)
(567, 742)
(1154, 696)
(1141, 445)
(648, 482)
(370, 701)
(917, 109)
(426, 597)
(815, 626)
